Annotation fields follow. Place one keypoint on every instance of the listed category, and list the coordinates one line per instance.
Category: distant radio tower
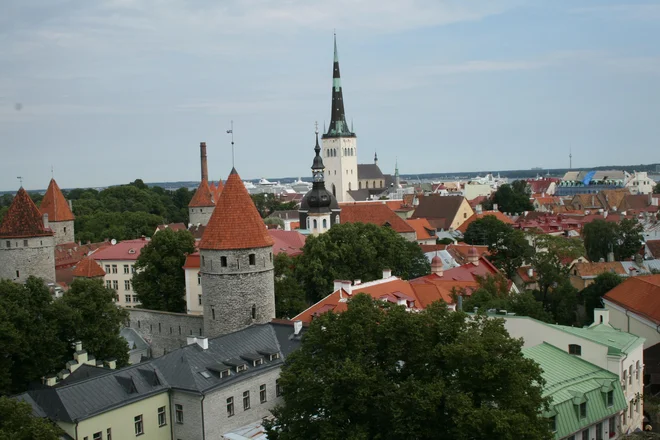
(570, 159)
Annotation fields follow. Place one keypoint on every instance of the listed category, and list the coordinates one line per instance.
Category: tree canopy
(159, 281)
(376, 371)
(266, 204)
(352, 251)
(624, 239)
(594, 292)
(289, 292)
(18, 423)
(513, 198)
(38, 332)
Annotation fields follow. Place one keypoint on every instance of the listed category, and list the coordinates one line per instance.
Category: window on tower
(254, 311)
(325, 224)
(315, 224)
(223, 261)
(253, 259)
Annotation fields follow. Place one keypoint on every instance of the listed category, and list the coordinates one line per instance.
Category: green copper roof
(570, 381)
(617, 341)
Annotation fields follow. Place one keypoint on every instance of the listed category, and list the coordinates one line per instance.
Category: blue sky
(114, 90)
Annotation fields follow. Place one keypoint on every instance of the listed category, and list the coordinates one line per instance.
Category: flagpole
(231, 131)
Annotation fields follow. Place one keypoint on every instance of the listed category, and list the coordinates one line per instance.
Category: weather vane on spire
(231, 132)
(316, 127)
(20, 179)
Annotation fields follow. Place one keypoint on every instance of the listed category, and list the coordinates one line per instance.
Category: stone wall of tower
(200, 216)
(21, 258)
(230, 292)
(341, 170)
(63, 231)
(164, 331)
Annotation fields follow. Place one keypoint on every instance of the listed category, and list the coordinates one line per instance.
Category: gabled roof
(218, 190)
(55, 205)
(235, 223)
(172, 227)
(375, 213)
(640, 295)
(23, 219)
(289, 242)
(617, 341)
(68, 254)
(369, 171)
(88, 268)
(203, 197)
(654, 248)
(422, 228)
(592, 270)
(441, 209)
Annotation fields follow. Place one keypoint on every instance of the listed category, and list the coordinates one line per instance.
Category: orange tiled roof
(218, 190)
(640, 294)
(235, 223)
(595, 269)
(501, 217)
(203, 196)
(375, 213)
(88, 268)
(421, 227)
(55, 205)
(23, 219)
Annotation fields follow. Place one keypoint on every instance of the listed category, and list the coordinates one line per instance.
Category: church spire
(338, 126)
(317, 166)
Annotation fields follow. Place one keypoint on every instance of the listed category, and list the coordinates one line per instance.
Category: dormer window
(583, 410)
(552, 423)
(257, 362)
(273, 356)
(240, 368)
(610, 398)
(225, 373)
(575, 349)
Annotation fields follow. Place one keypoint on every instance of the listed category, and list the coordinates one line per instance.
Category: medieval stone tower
(27, 244)
(236, 264)
(340, 144)
(202, 204)
(60, 217)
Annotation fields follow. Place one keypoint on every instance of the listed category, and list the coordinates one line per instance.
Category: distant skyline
(109, 91)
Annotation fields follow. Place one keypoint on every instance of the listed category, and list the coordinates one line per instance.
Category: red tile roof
(124, 250)
(218, 190)
(640, 294)
(55, 205)
(654, 247)
(422, 228)
(479, 200)
(203, 197)
(235, 223)
(23, 219)
(375, 213)
(172, 227)
(289, 242)
(192, 261)
(88, 268)
(497, 214)
(595, 269)
(69, 254)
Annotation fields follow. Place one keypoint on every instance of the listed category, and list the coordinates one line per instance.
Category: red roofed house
(60, 216)
(236, 259)
(415, 294)
(634, 307)
(376, 213)
(289, 242)
(27, 243)
(118, 261)
(172, 227)
(652, 249)
(424, 232)
(88, 268)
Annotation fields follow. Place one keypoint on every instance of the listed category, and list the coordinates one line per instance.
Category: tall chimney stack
(205, 170)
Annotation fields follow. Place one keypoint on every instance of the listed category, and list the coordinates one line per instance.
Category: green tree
(513, 198)
(563, 303)
(18, 423)
(266, 204)
(30, 344)
(356, 251)
(274, 221)
(551, 260)
(493, 293)
(159, 280)
(656, 188)
(378, 372)
(624, 239)
(593, 293)
(88, 314)
(486, 231)
(289, 293)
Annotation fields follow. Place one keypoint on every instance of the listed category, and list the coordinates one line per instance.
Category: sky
(108, 91)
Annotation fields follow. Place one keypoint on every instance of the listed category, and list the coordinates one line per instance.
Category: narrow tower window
(223, 261)
(325, 224)
(254, 311)
(315, 224)
(213, 312)
(253, 259)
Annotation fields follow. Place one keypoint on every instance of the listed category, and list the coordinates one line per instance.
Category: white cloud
(640, 11)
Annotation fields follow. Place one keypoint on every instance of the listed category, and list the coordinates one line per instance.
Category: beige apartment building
(118, 262)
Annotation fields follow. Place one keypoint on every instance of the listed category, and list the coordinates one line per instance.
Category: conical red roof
(88, 268)
(55, 205)
(203, 196)
(23, 219)
(235, 223)
(218, 190)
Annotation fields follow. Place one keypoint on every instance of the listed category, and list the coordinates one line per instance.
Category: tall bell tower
(339, 144)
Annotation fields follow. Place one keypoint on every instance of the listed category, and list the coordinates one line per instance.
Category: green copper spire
(338, 126)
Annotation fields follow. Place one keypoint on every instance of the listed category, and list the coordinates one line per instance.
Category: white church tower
(339, 145)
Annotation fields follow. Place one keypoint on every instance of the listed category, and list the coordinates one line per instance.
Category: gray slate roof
(285, 215)
(369, 171)
(180, 369)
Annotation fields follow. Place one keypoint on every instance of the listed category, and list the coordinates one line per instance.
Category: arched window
(254, 311)
(349, 186)
(359, 185)
(325, 224)
(366, 184)
(374, 184)
(381, 183)
(316, 225)
(337, 219)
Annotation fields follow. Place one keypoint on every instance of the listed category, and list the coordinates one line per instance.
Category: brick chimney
(205, 170)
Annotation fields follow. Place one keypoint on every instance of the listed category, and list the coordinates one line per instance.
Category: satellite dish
(113, 242)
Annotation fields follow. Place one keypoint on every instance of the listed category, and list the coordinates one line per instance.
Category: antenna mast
(231, 132)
